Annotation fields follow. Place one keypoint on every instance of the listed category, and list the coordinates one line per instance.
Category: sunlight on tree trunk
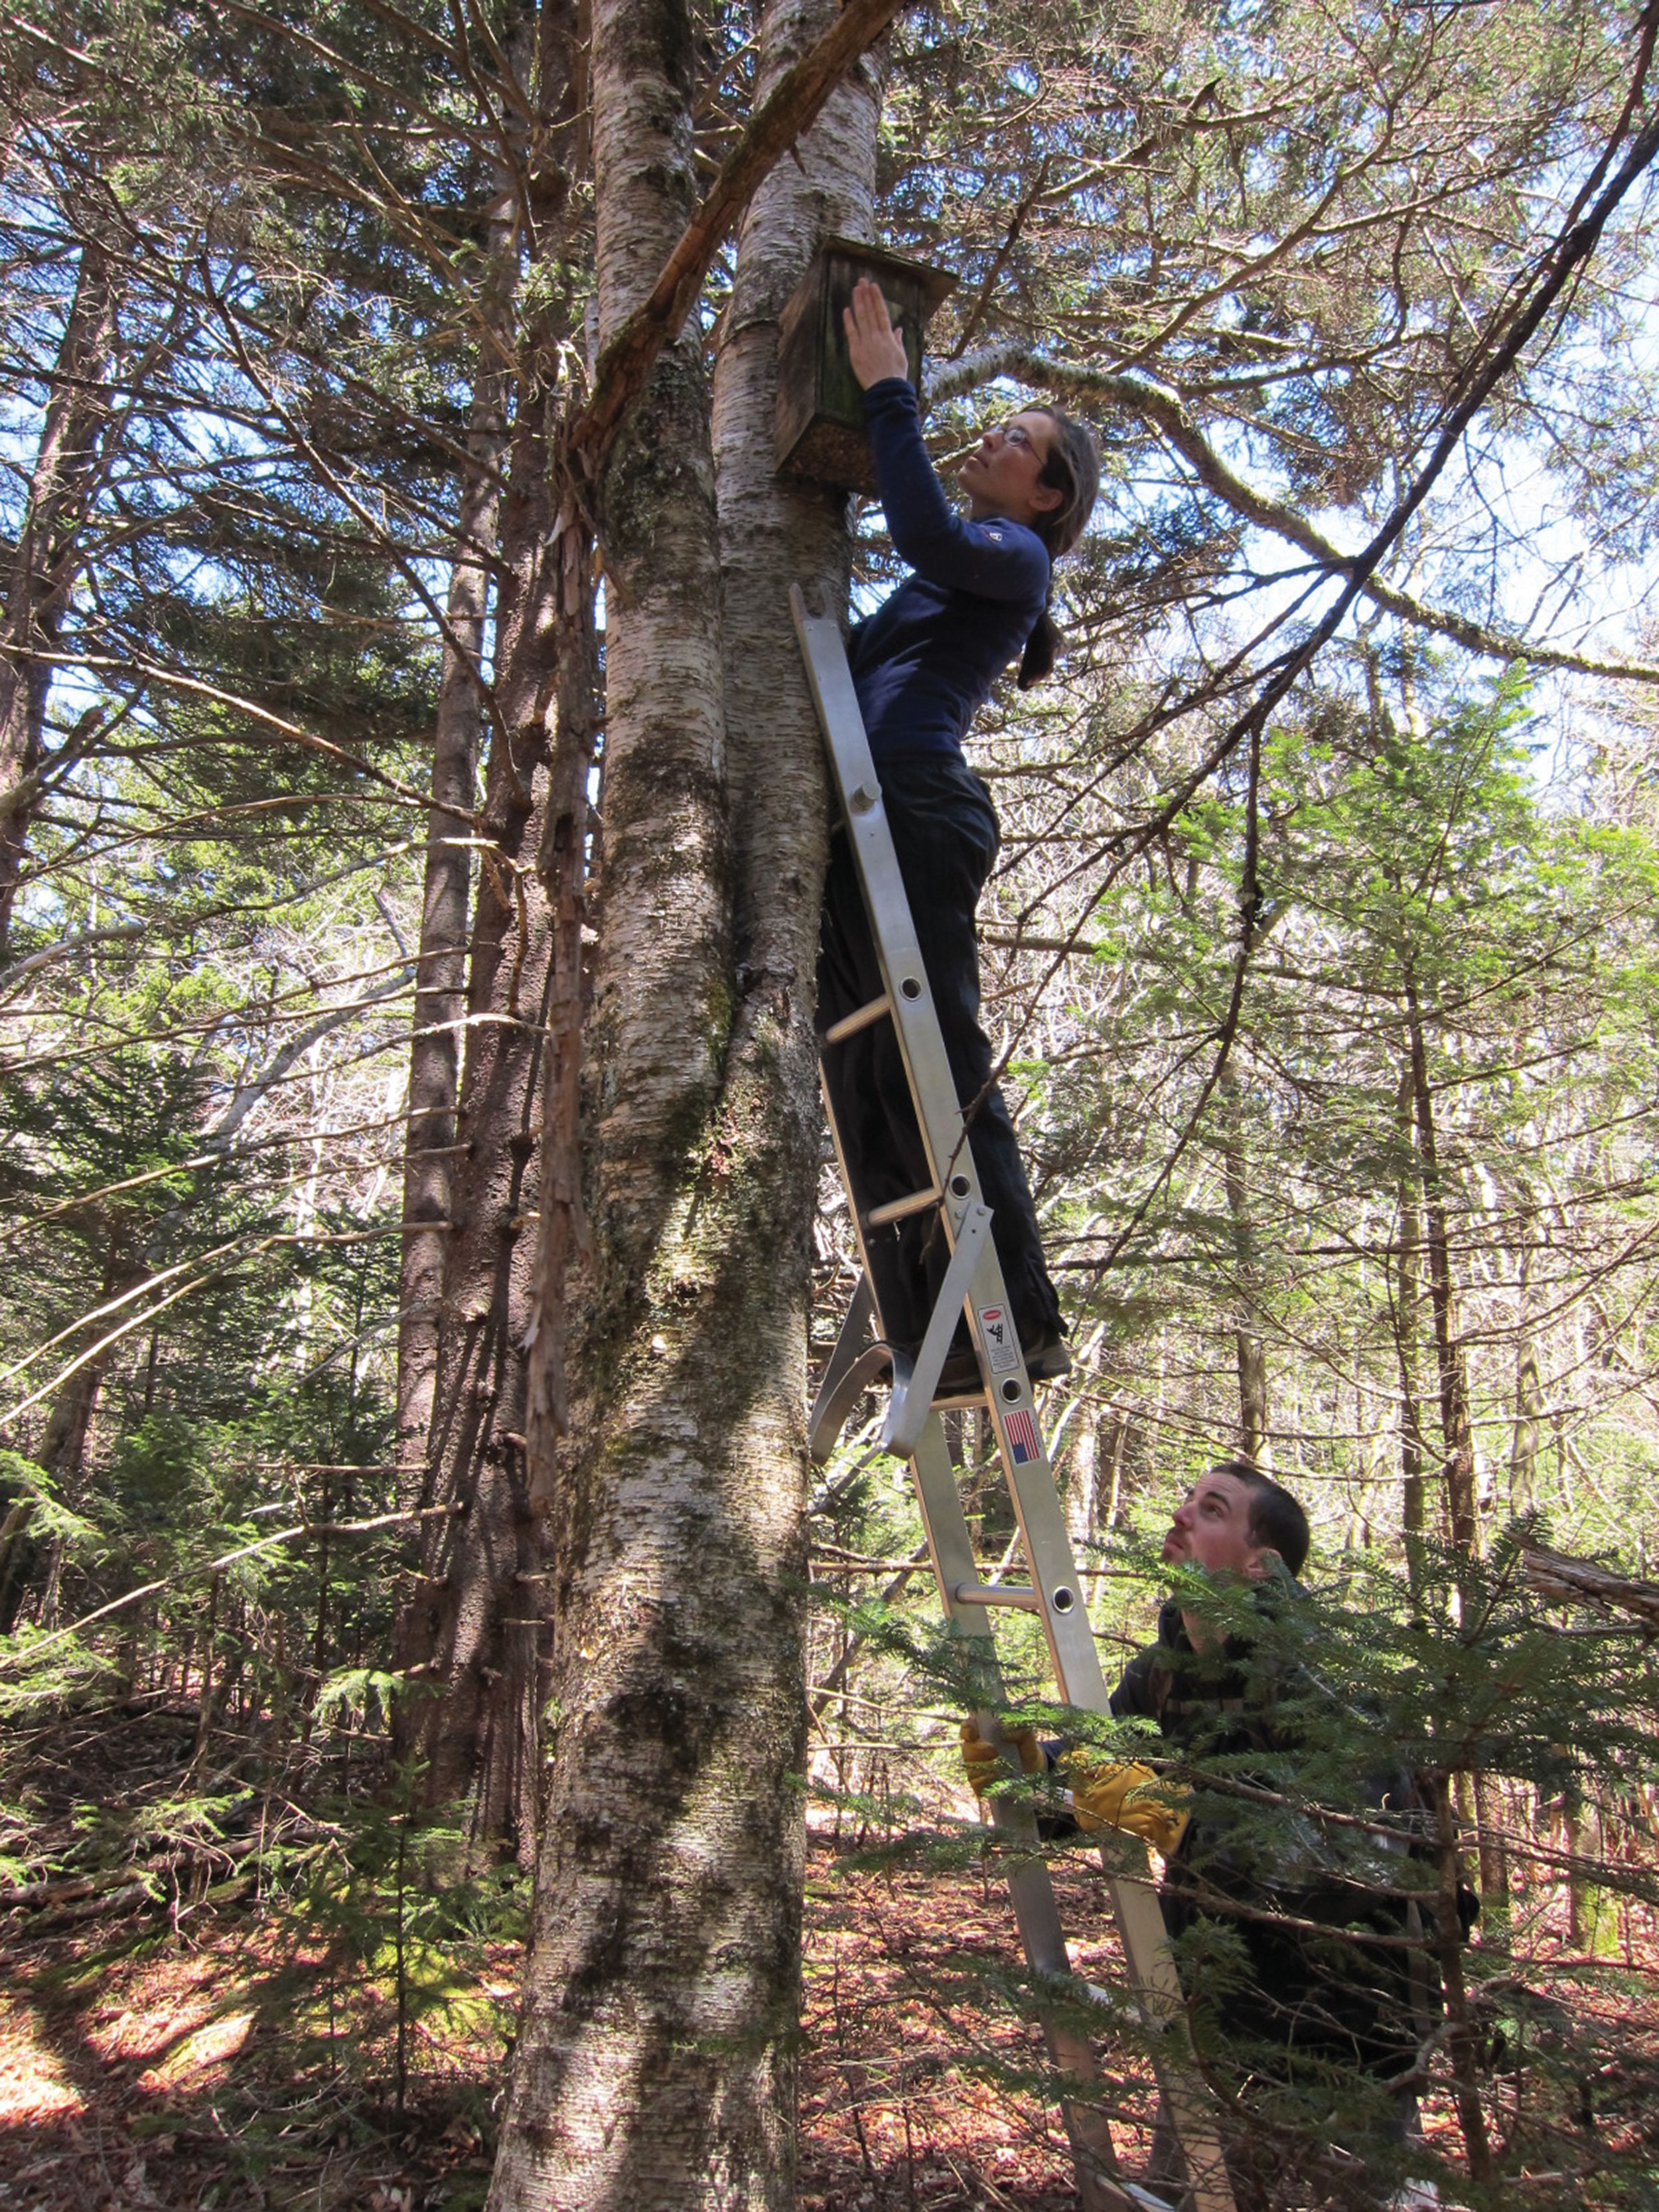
(655, 2060)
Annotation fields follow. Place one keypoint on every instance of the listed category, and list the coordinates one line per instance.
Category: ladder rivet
(959, 1186)
(1011, 1391)
(1063, 1600)
(910, 986)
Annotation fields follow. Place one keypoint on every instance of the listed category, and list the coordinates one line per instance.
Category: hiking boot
(1047, 1359)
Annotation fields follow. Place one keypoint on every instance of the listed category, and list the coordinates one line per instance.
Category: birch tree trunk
(655, 2056)
(46, 560)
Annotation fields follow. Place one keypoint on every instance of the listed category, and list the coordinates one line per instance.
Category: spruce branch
(27, 1653)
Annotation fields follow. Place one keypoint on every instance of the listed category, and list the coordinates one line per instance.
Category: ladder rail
(1036, 1914)
(946, 1138)
(914, 1430)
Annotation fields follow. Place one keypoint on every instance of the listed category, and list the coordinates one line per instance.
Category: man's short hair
(1275, 1518)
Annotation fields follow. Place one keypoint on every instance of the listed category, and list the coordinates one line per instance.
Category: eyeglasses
(1016, 435)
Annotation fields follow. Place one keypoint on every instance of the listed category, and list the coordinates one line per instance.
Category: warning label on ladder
(1001, 1345)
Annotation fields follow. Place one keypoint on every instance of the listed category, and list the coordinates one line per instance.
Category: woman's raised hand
(873, 346)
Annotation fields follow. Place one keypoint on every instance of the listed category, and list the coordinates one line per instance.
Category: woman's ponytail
(1072, 469)
(1038, 659)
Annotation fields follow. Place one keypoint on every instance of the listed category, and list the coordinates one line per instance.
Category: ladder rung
(860, 1018)
(899, 1209)
(1014, 1594)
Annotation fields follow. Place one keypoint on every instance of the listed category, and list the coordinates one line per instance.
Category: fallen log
(1567, 1581)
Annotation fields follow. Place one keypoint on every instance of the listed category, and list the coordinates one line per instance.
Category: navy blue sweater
(924, 663)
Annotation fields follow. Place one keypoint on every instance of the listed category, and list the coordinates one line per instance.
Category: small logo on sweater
(991, 532)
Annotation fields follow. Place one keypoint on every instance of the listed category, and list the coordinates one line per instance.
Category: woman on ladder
(922, 665)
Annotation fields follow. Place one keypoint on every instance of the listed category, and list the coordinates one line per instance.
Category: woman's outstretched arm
(997, 559)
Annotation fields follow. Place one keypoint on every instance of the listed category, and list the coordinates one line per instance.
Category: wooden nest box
(820, 417)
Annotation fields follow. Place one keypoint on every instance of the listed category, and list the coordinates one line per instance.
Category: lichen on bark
(656, 2051)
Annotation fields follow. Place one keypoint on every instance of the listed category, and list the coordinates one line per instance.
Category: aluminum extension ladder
(973, 1284)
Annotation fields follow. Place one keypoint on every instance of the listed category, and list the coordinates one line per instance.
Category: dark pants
(945, 830)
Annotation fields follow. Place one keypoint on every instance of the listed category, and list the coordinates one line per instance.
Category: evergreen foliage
(1333, 1029)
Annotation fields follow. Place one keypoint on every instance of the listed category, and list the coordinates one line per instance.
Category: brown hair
(1072, 469)
(1275, 1517)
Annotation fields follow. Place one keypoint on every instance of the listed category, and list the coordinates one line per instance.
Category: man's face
(1212, 1528)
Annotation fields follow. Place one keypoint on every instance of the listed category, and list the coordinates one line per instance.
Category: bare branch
(1163, 408)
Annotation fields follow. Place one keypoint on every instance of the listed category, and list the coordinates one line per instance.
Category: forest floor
(146, 2069)
(202, 2045)
(184, 2035)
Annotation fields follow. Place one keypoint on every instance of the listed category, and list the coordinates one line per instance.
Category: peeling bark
(434, 1058)
(473, 1630)
(470, 1633)
(441, 974)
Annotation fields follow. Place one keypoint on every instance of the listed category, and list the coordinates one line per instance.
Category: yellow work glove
(1126, 1795)
(983, 1759)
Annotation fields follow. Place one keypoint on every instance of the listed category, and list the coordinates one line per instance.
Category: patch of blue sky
(1506, 538)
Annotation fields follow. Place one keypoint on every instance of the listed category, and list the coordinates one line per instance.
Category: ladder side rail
(1135, 1909)
(921, 1047)
(1026, 1468)
(1029, 1478)
(1036, 1914)
(903, 972)
(1162, 2007)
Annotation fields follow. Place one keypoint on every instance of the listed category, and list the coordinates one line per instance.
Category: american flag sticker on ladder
(1021, 1432)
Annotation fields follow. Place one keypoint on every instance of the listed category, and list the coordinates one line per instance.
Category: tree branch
(1164, 409)
(790, 110)
(24, 1654)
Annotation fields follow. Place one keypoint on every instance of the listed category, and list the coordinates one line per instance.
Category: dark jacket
(924, 663)
(1246, 1870)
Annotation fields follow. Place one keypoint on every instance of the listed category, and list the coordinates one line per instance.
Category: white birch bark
(654, 2065)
